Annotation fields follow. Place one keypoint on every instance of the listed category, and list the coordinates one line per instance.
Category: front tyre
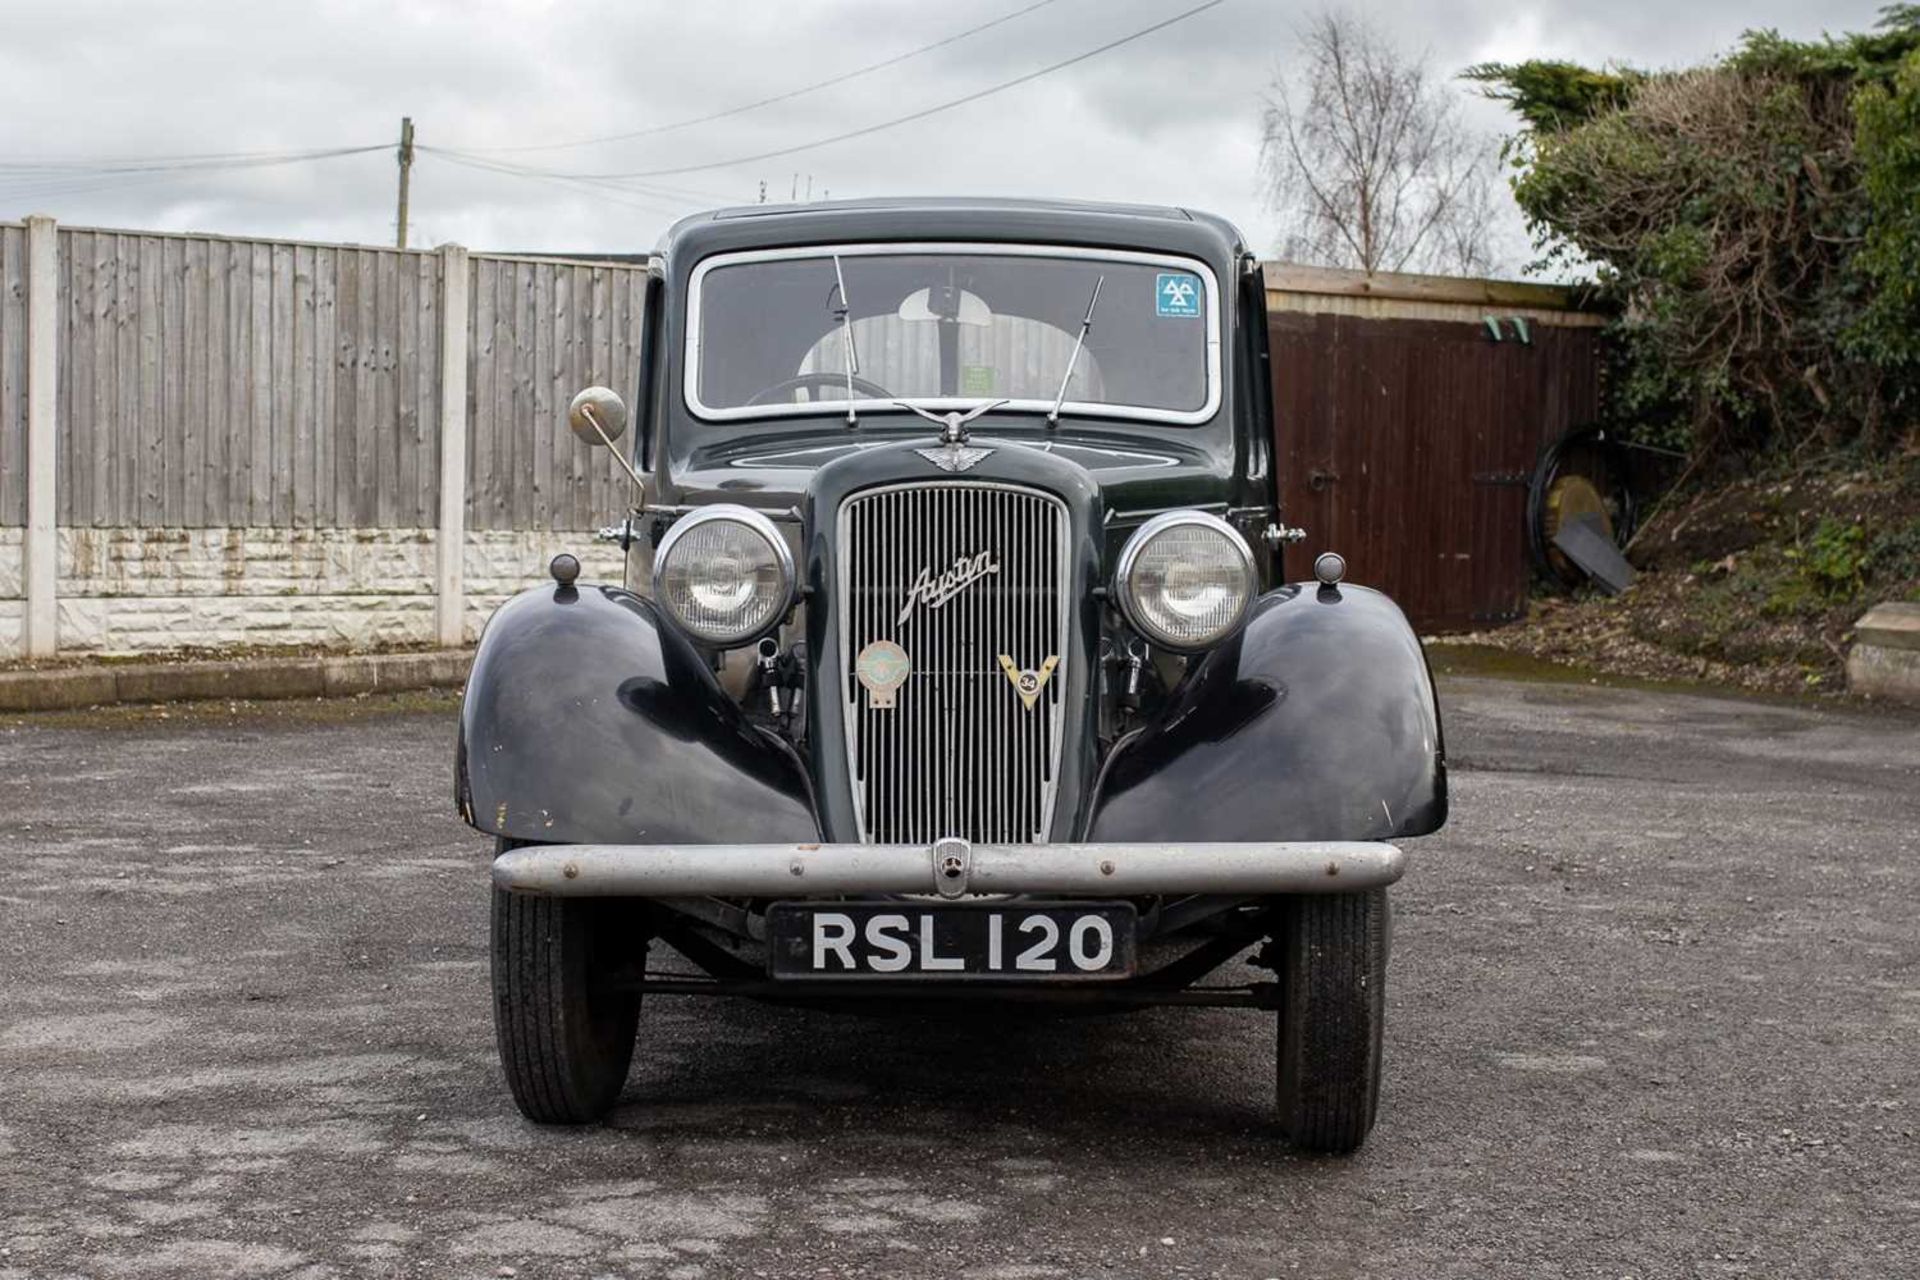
(565, 1032)
(1332, 951)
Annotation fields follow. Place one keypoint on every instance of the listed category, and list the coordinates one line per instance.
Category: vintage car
(954, 660)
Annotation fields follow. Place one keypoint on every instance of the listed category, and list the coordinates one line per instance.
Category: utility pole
(406, 173)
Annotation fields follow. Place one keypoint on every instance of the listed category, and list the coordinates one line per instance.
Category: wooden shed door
(1405, 446)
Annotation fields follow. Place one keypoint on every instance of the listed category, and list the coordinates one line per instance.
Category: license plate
(1024, 942)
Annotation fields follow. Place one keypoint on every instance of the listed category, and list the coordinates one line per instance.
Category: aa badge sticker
(1028, 684)
(882, 668)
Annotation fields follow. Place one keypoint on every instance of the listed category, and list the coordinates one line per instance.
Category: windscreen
(797, 334)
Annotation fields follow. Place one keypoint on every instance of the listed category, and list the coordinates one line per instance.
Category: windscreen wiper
(845, 321)
(1086, 323)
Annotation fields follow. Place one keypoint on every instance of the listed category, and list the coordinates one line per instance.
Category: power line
(474, 160)
(663, 196)
(46, 180)
(663, 201)
(94, 162)
(208, 163)
(961, 101)
(788, 96)
(44, 190)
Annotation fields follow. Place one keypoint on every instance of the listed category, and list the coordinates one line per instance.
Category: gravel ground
(1655, 1012)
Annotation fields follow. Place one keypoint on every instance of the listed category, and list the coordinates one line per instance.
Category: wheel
(565, 1034)
(1332, 951)
(1584, 472)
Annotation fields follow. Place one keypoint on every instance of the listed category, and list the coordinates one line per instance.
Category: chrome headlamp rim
(759, 524)
(1139, 541)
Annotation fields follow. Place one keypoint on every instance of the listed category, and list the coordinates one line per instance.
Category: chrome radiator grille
(958, 752)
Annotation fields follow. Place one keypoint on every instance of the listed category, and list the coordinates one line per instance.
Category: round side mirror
(598, 407)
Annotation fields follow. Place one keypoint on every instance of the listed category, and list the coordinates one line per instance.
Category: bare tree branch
(1369, 164)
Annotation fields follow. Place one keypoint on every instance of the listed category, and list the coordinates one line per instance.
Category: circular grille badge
(881, 668)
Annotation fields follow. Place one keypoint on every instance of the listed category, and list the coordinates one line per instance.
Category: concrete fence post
(40, 552)
(450, 588)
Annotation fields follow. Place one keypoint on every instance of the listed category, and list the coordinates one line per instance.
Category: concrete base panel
(125, 591)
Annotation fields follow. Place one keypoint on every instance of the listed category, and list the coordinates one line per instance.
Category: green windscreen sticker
(976, 380)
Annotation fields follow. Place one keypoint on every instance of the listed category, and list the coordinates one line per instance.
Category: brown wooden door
(1405, 446)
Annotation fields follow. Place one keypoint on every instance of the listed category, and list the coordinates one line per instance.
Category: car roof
(1078, 222)
(972, 204)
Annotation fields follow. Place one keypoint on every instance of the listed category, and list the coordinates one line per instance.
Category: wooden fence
(208, 382)
(540, 331)
(169, 385)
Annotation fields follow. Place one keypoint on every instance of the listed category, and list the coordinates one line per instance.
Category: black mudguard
(1317, 723)
(589, 719)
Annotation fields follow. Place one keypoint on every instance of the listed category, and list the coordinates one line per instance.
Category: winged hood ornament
(954, 457)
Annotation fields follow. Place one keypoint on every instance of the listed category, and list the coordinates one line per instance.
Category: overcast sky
(1170, 118)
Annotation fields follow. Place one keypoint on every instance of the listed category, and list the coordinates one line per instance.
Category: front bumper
(949, 868)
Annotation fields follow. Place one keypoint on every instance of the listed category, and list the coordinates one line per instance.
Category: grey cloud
(1171, 119)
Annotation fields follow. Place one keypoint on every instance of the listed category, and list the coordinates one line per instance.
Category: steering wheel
(802, 381)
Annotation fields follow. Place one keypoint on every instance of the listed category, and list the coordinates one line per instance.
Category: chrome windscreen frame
(690, 383)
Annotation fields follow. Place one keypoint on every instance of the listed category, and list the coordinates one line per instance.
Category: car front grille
(958, 753)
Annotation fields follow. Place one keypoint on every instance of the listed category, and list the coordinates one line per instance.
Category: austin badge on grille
(882, 668)
(1028, 684)
(932, 591)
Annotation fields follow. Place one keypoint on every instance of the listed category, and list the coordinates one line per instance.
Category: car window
(777, 334)
(1011, 358)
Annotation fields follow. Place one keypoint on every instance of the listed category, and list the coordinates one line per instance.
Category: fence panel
(211, 382)
(539, 331)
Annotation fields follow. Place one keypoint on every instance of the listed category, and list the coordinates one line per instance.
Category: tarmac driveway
(1655, 1011)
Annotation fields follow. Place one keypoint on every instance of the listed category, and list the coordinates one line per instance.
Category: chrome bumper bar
(950, 868)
